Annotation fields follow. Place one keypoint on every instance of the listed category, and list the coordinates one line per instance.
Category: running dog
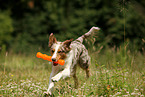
(74, 53)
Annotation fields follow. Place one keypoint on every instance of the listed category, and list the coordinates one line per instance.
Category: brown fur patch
(66, 45)
(62, 55)
(52, 40)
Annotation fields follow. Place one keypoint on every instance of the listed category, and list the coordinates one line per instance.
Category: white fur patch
(56, 46)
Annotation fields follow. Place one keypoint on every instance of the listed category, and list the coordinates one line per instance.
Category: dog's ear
(52, 40)
(66, 44)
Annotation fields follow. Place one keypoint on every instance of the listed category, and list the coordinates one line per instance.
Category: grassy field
(113, 73)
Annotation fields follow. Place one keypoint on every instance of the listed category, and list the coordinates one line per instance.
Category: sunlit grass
(112, 74)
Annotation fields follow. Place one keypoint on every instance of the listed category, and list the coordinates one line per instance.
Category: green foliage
(33, 21)
(32, 34)
(6, 27)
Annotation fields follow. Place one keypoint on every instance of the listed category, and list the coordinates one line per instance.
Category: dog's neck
(69, 57)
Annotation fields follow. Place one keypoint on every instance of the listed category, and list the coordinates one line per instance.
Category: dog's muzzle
(54, 63)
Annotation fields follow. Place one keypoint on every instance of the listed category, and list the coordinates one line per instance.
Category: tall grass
(114, 72)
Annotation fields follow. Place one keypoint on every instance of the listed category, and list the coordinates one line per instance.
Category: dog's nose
(53, 59)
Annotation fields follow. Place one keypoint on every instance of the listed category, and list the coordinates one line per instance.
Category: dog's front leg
(51, 83)
(63, 74)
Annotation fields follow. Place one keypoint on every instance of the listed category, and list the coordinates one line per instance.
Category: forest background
(25, 25)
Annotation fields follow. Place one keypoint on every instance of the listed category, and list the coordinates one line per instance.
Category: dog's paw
(47, 94)
(54, 79)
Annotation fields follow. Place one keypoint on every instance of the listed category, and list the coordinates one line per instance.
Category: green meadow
(114, 72)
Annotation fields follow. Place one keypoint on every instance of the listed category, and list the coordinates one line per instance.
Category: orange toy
(46, 57)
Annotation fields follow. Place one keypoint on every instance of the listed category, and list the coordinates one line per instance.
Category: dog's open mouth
(55, 63)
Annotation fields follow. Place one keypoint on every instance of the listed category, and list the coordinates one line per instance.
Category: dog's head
(58, 49)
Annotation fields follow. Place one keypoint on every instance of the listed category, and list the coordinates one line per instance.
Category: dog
(74, 53)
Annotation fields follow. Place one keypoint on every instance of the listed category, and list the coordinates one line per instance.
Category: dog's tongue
(55, 63)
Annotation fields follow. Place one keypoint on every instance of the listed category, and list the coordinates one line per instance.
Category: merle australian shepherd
(74, 53)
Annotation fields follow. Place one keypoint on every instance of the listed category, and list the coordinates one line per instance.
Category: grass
(113, 73)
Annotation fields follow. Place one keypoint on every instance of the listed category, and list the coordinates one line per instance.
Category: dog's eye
(52, 51)
(59, 51)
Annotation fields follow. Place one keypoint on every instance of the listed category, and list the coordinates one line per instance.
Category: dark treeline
(25, 25)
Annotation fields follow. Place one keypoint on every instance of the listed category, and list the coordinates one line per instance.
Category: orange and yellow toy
(46, 57)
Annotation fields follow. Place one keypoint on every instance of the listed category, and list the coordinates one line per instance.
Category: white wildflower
(136, 89)
(133, 93)
(139, 93)
(125, 95)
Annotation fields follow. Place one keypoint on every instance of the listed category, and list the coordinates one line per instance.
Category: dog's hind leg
(87, 72)
(75, 78)
(84, 62)
(75, 81)
(86, 68)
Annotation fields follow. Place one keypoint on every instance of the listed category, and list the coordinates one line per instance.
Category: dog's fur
(73, 52)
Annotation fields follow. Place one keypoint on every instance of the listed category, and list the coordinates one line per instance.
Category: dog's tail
(88, 34)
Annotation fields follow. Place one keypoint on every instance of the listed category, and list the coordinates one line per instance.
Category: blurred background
(25, 25)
